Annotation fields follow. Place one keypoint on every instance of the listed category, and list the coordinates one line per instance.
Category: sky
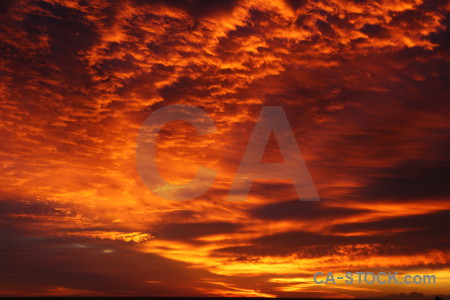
(364, 85)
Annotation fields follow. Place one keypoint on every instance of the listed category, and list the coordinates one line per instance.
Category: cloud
(364, 85)
(188, 231)
(295, 210)
(410, 180)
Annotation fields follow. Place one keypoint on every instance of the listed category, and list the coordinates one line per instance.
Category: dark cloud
(376, 31)
(325, 29)
(298, 210)
(442, 38)
(5, 6)
(426, 227)
(288, 243)
(33, 265)
(295, 4)
(410, 180)
(189, 231)
(389, 236)
(69, 33)
(311, 245)
(196, 8)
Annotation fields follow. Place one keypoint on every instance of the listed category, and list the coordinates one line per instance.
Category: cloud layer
(364, 85)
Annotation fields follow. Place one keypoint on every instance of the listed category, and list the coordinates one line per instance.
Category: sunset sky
(365, 86)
